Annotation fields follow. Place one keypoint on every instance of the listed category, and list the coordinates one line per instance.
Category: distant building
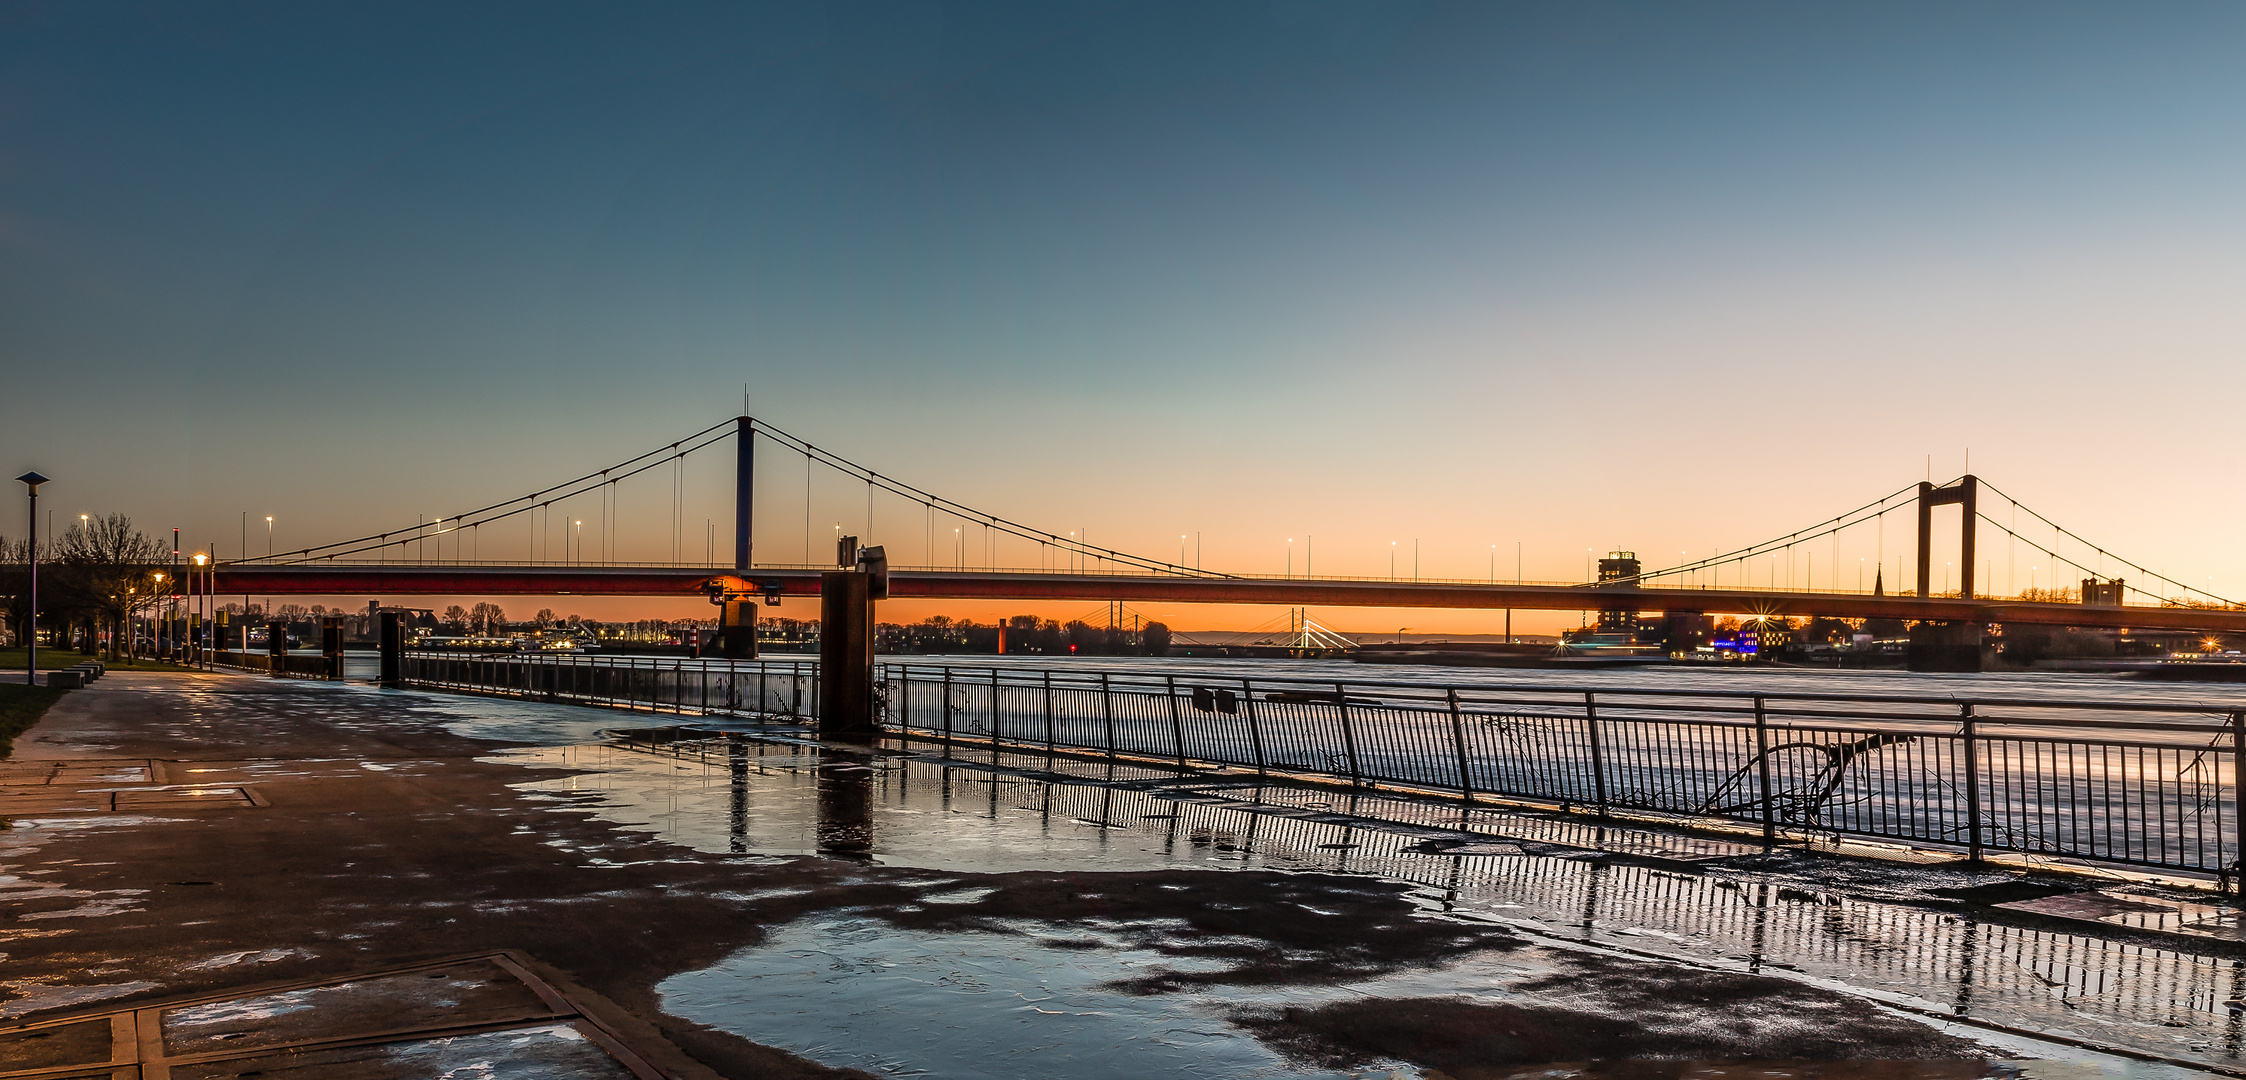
(2101, 593)
(1620, 569)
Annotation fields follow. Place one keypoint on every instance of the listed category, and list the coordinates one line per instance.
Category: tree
(488, 619)
(15, 586)
(106, 573)
(456, 619)
(544, 618)
(1155, 638)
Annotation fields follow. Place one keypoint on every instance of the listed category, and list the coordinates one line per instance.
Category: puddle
(30, 996)
(1541, 877)
(858, 993)
(540, 1053)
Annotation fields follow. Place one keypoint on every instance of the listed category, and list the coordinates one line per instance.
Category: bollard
(276, 649)
(331, 645)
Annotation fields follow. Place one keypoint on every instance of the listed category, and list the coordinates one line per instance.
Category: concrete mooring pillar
(331, 645)
(1946, 646)
(277, 648)
(846, 654)
(736, 634)
(393, 640)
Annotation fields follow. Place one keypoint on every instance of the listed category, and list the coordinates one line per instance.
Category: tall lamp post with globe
(32, 480)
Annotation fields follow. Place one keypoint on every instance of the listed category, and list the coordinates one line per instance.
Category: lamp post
(199, 604)
(32, 480)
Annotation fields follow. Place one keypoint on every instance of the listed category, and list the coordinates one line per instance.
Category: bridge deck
(409, 579)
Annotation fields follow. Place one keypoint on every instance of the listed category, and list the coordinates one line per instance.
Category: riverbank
(293, 831)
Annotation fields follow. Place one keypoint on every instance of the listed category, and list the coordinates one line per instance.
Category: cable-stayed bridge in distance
(397, 563)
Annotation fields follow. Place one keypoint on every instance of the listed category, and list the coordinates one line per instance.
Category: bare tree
(488, 618)
(108, 572)
(456, 619)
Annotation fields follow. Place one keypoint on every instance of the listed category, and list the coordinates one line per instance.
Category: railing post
(1048, 712)
(1762, 759)
(1177, 722)
(2238, 799)
(1458, 741)
(994, 725)
(1972, 785)
(947, 700)
(1107, 712)
(1255, 731)
(1598, 753)
(1348, 735)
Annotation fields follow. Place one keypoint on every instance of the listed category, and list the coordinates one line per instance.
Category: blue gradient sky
(1579, 276)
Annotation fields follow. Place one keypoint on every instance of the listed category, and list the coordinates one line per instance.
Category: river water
(1723, 678)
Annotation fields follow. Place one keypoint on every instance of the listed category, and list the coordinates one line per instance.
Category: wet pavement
(760, 905)
(1882, 930)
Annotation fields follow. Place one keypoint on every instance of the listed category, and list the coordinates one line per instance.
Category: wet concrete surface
(757, 908)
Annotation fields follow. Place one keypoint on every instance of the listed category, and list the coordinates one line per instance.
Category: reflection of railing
(2125, 782)
(781, 689)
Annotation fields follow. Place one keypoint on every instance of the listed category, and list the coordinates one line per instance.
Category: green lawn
(21, 707)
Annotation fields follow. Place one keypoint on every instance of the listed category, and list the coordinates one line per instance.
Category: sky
(1488, 278)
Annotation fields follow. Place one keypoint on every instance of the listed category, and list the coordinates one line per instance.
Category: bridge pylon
(1965, 492)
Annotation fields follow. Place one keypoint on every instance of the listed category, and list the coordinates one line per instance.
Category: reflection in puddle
(1544, 876)
(863, 994)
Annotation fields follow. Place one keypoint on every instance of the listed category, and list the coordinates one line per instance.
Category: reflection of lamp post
(32, 480)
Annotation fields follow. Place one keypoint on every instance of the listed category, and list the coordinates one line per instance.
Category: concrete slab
(2149, 913)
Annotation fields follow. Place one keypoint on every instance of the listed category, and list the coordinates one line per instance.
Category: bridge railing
(2121, 782)
(778, 690)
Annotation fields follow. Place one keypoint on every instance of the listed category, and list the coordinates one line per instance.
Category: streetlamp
(268, 558)
(32, 480)
(200, 559)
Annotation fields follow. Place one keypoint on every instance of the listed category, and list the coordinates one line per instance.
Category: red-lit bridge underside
(414, 580)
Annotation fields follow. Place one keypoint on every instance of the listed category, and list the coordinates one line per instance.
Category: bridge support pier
(846, 654)
(1946, 646)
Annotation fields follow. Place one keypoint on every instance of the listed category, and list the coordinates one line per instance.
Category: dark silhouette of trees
(98, 574)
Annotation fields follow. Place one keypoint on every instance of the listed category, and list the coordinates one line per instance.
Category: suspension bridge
(415, 561)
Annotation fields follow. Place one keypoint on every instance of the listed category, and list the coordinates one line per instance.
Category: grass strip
(20, 707)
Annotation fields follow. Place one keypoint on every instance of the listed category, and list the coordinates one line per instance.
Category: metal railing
(2112, 781)
(2130, 782)
(306, 665)
(773, 689)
